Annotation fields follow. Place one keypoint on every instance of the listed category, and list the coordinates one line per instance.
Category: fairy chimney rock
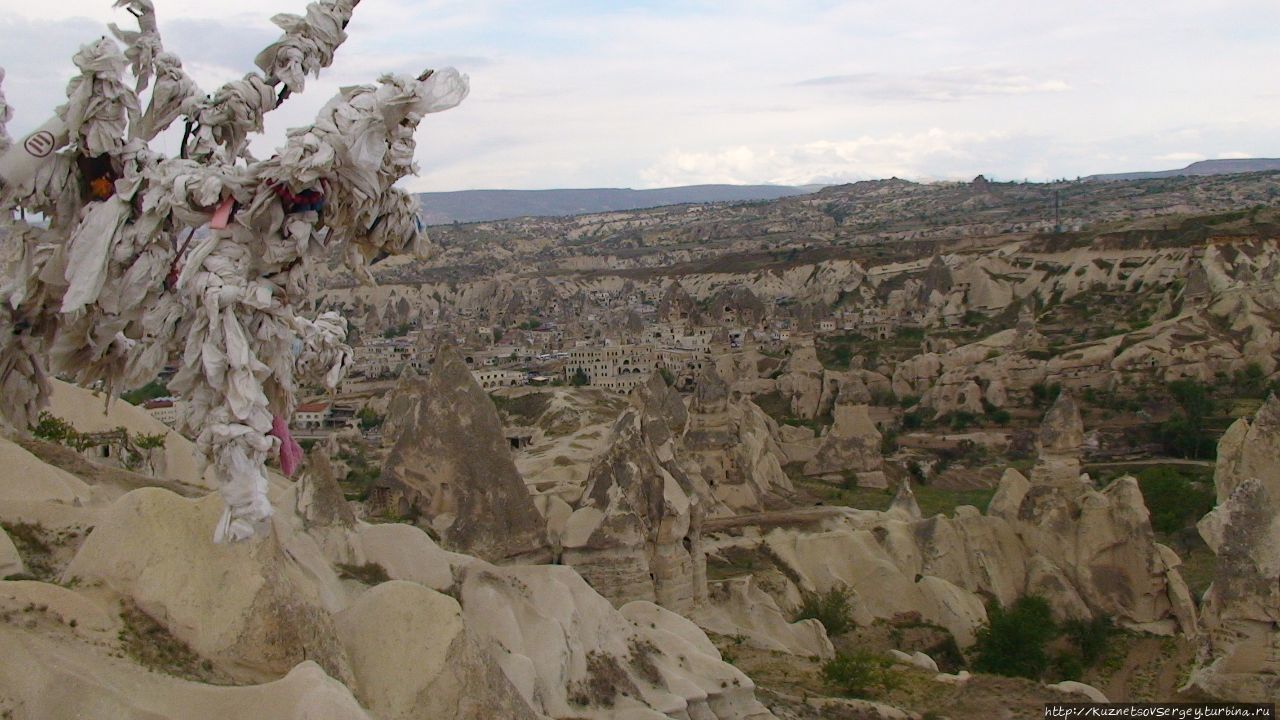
(1060, 442)
(452, 465)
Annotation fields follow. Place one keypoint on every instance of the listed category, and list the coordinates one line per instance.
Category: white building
(310, 416)
(490, 379)
(613, 366)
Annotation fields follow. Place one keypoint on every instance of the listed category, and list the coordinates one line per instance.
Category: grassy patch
(932, 501)
(641, 661)
(1177, 497)
(604, 682)
(151, 645)
(523, 409)
(859, 674)
(33, 544)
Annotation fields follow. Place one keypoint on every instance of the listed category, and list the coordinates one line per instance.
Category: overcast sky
(658, 93)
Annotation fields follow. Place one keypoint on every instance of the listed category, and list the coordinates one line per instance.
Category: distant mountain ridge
(1203, 167)
(439, 208)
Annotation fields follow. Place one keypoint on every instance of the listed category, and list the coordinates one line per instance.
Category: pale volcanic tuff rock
(801, 382)
(1101, 542)
(1241, 652)
(10, 561)
(453, 463)
(319, 501)
(737, 304)
(566, 649)
(32, 480)
(414, 658)
(251, 608)
(851, 445)
(738, 607)
(1088, 552)
(401, 415)
(518, 642)
(321, 508)
(797, 443)
(530, 641)
(662, 404)
(52, 679)
(677, 304)
(1059, 444)
(851, 387)
(904, 505)
(882, 584)
(635, 534)
(732, 442)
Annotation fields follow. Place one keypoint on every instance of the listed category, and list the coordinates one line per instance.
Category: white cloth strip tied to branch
(200, 262)
(6, 114)
(308, 43)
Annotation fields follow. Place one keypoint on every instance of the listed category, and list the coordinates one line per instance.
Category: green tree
(1013, 642)
(1185, 435)
(1175, 501)
(579, 378)
(833, 608)
(369, 418)
(1091, 637)
(150, 391)
(859, 674)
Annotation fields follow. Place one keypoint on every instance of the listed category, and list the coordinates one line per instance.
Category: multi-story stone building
(491, 379)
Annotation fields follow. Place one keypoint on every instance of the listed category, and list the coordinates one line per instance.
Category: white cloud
(945, 85)
(919, 155)
(626, 94)
(1181, 157)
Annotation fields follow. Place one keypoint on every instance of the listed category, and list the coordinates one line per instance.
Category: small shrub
(1013, 642)
(369, 418)
(151, 645)
(1175, 501)
(889, 442)
(369, 573)
(54, 429)
(834, 609)
(1043, 394)
(1090, 637)
(641, 661)
(946, 653)
(1067, 666)
(142, 441)
(859, 674)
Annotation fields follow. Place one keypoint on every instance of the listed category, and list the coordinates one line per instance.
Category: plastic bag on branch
(6, 114)
(143, 45)
(308, 43)
(175, 94)
(99, 105)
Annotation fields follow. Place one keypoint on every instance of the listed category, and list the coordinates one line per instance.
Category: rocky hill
(466, 206)
(1203, 167)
